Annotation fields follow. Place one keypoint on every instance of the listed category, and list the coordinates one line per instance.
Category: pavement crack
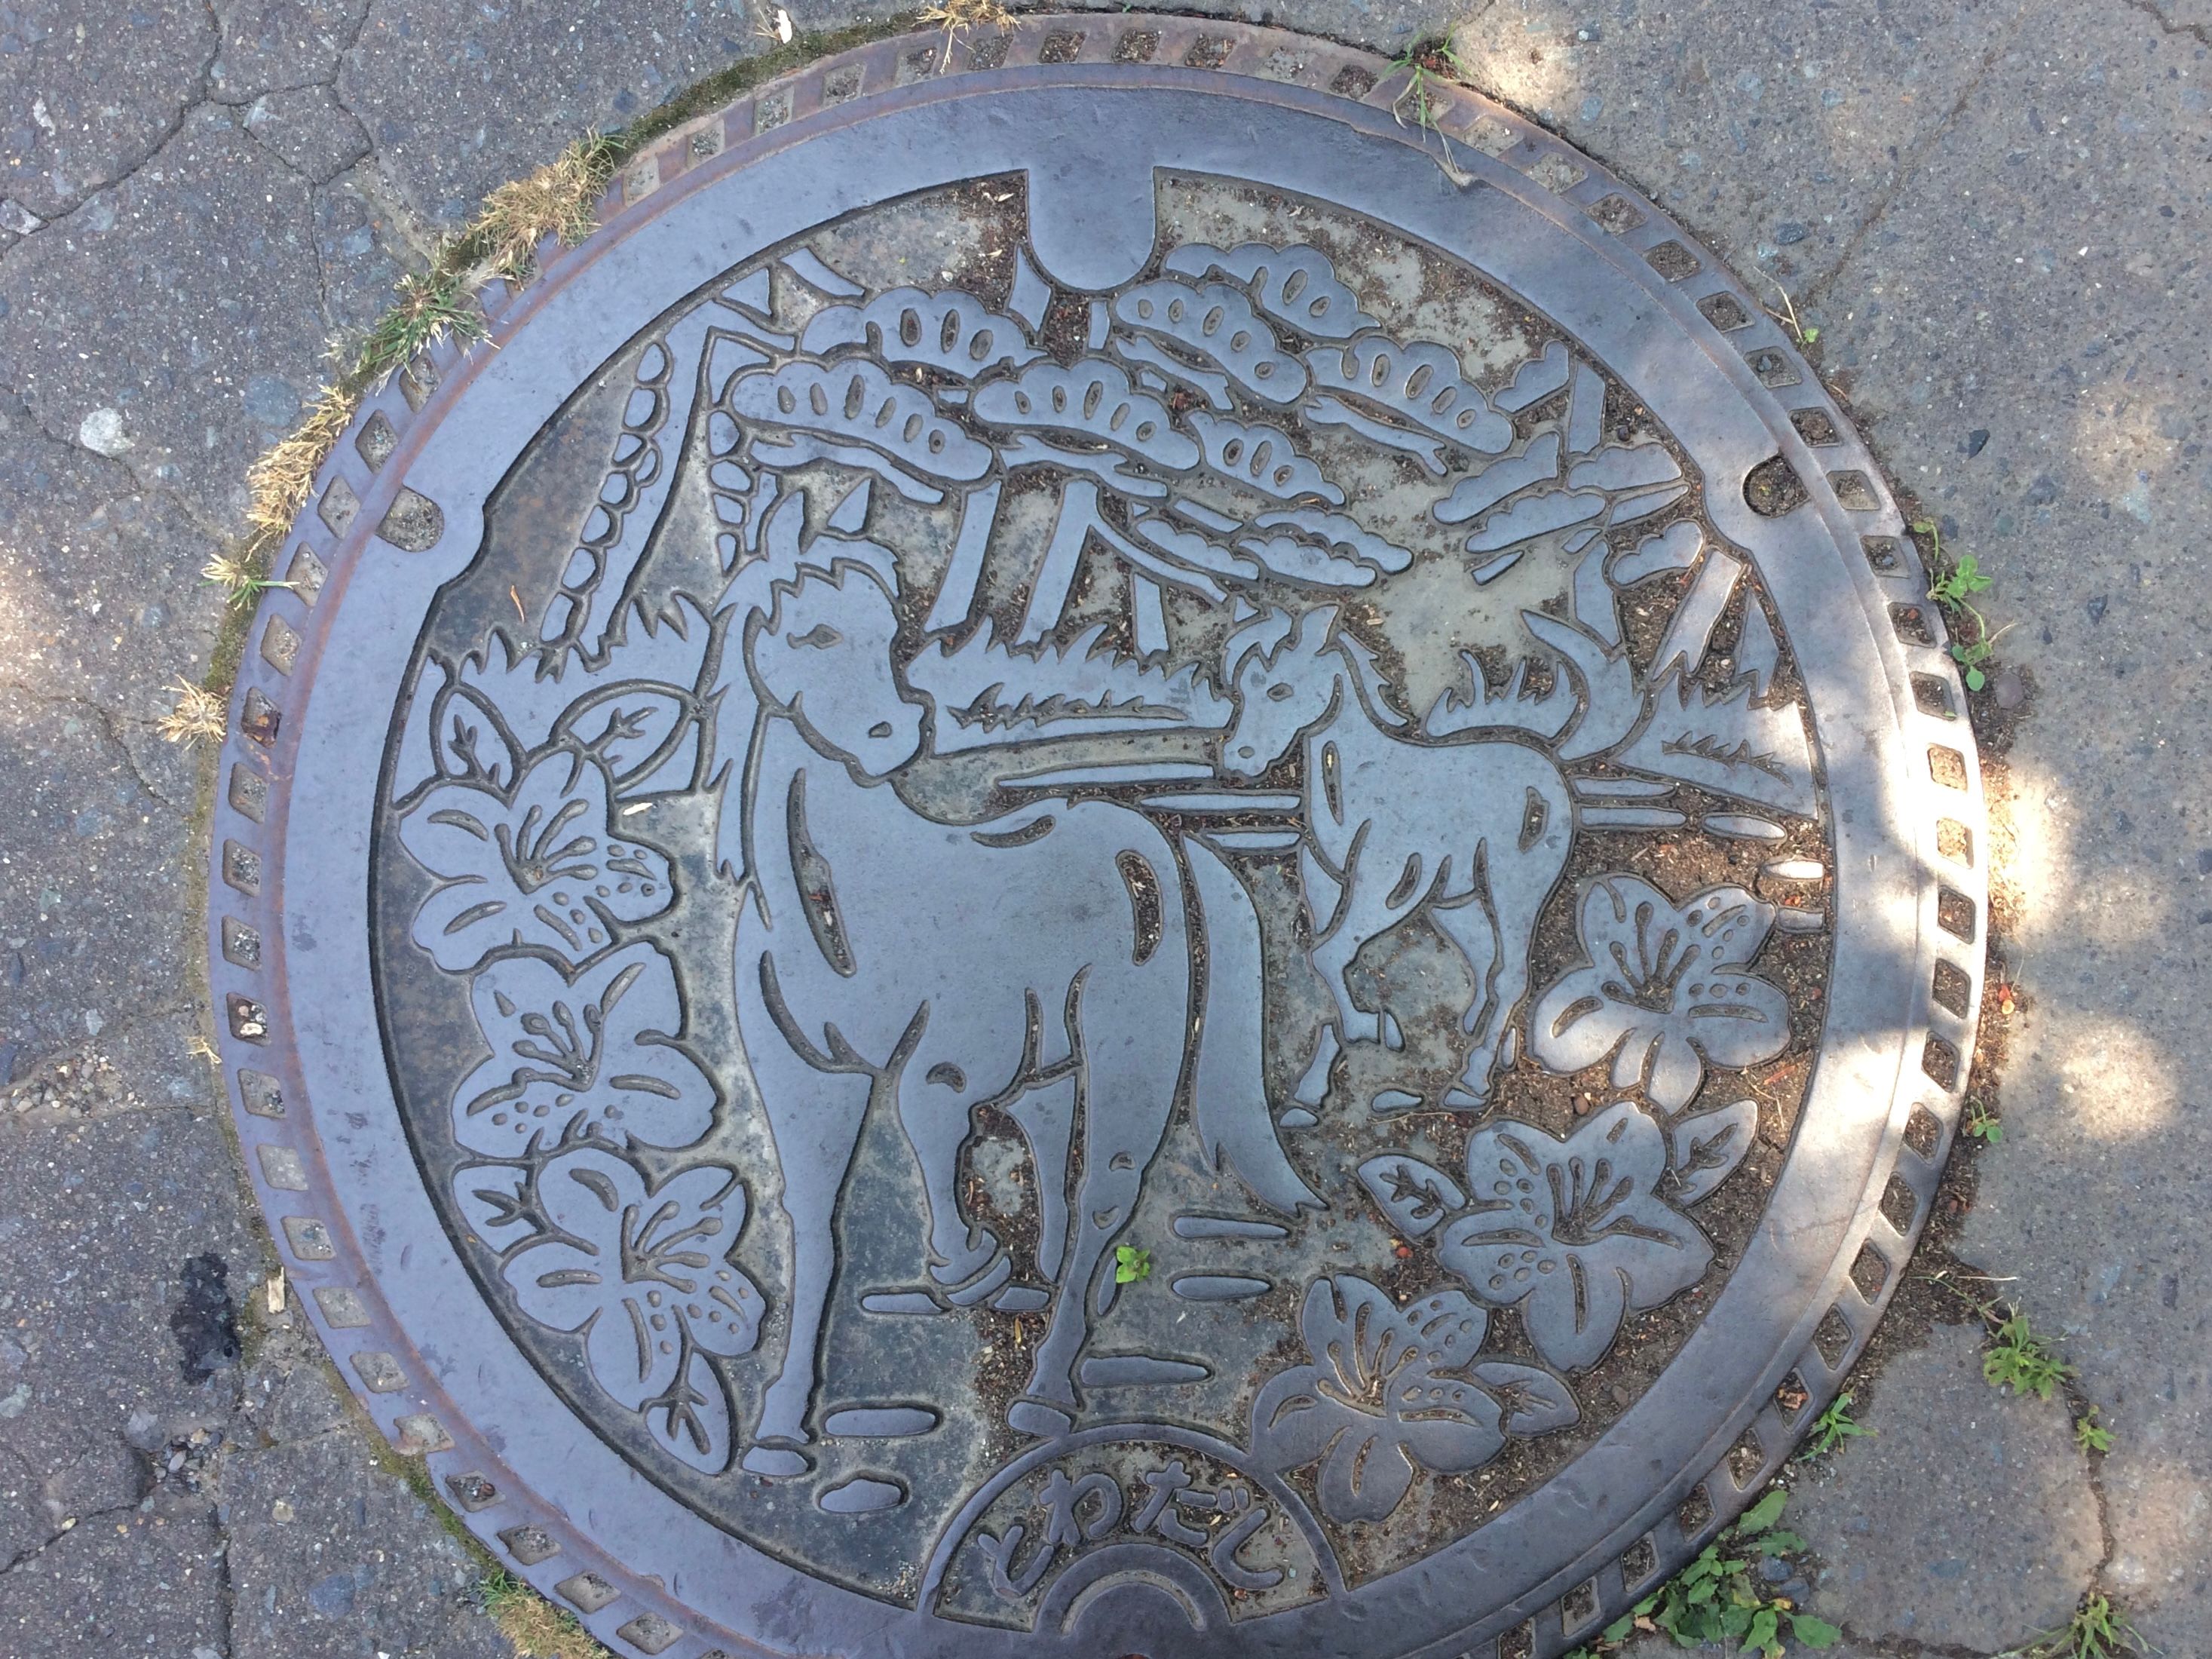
(2196, 32)
(1909, 167)
(109, 726)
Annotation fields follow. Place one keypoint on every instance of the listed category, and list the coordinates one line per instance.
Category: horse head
(811, 628)
(1284, 678)
(824, 658)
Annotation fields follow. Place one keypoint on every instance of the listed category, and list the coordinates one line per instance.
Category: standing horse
(1473, 835)
(1041, 963)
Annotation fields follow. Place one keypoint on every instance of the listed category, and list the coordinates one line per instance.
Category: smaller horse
(1472, 835)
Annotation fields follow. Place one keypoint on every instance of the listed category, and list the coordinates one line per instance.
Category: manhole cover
(1091, 866)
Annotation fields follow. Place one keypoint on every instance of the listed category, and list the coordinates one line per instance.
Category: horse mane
(757, 588)
(1368, 677)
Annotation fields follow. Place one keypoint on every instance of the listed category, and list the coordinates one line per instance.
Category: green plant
(2090, 1435)
(1718, 1597)
(1981, 1124)
(1130, 1264)
(2098, 1630)
(1832, 1427)
(534, 1625)
(2020, 1361)
(1951, 584)
(1425, 65)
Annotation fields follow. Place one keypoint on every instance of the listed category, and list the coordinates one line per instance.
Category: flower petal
(1364, 1479)
(1731, 923)
(1574, 1024)
(1675, 1074)
(1657, 1250)
(1742, 1020)
(1293, 1422)
(451, 832)
(585, 1193)
(1447, 1427)
(1574, 1315)
(631, 1358)
(563, 1284)
(1449, 1328)
(1533, 1401)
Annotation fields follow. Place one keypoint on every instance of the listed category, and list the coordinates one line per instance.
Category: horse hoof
(967, 1295)
(1457, 1099)
(1040, 1417)
(971, 1261)
(1296, 1118)
(776, 1462)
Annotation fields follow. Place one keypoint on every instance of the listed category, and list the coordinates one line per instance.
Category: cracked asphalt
(1993, 210)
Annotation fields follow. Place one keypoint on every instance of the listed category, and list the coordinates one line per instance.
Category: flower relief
(1664, 990)
(592, 1057)
(1574, 1233)
(537, 866)
(644, 1275)
(1390, 1388)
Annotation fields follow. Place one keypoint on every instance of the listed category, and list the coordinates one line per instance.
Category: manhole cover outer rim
(397, 1383)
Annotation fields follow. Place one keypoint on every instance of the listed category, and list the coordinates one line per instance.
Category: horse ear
(1317, 626)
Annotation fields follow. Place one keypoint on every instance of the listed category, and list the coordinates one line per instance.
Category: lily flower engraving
(644, 1276)
(539, 867)
(1664, 990)
(592, 1057)
(1390, 1388)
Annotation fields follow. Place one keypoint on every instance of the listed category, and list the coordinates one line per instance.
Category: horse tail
(1610, 703)
(1235, 1125)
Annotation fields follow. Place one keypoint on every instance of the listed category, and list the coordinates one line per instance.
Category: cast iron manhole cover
(1089, 866)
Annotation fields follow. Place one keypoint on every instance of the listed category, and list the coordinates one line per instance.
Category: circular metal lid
(1114, 849)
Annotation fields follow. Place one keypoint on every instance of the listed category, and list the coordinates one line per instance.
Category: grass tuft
(197, 716)
(2098, 1630)
(956, 16)
(560, 199)
(534, 1625)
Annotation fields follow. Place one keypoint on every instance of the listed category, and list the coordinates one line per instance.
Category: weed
(2098, 1630)
(2090, 1435)
(427, 307)
(2018, 1358)
(1426, 64)
(1787, 315)
(957, 15)
(1832, 1427)
(534, 1625)
(1982, 1123)
(560, 199)
(1130, 1264)
(198, 716)
(238, 572)
(1952, 584)
(2020, 1361)
(1957, 584)
(1719, 1597)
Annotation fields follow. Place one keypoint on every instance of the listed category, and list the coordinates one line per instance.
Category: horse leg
(816, 1119)
(1132, 1022)
(1469, 923)
(1510, 890)
(935, 1112)
(1365, 915)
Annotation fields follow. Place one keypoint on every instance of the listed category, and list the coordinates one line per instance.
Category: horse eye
(1279, 690)
(822, 637)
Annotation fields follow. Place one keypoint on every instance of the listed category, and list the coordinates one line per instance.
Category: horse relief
(914, 880)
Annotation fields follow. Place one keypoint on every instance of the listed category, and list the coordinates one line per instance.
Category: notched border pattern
(358, 485)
